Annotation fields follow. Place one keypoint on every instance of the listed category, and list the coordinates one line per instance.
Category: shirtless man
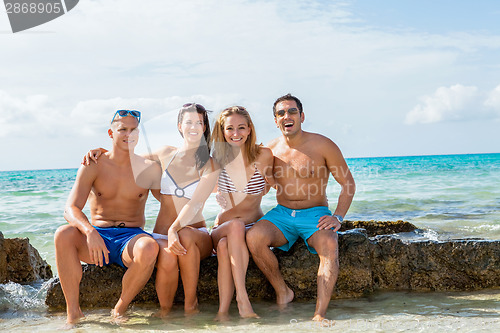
(117, 188)
(303, 162)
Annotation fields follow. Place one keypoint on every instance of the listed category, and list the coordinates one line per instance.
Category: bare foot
(73, 319)
(245, 308)
(282, 299)
(118, 318)
(249, 315)
(222, 316)
(322, 321)
(162, 313)
(190, 310)
(68, 326)
(318, 317)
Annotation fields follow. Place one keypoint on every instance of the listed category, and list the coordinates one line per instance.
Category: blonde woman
(244, 179)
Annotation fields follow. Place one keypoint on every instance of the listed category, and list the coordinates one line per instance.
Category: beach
(446, 197)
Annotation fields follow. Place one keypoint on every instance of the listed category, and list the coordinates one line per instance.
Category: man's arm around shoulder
(267, 160)
(153, 174)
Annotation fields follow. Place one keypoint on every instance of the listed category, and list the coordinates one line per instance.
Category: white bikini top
(170, 187)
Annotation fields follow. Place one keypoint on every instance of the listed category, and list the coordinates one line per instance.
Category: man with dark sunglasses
(117, 188)
(303, 162)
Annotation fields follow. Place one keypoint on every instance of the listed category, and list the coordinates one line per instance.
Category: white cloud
(37, 117)
(447, 103)
(127, 48)
(27, 116)
(493, 100)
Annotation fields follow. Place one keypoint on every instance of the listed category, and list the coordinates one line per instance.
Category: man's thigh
(269, 233)
(325, 242)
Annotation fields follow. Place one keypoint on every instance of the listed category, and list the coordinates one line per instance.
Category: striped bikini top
(255, 185)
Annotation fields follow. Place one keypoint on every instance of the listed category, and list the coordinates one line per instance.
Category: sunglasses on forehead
(123, 113)
(194, 107)
(290, 111)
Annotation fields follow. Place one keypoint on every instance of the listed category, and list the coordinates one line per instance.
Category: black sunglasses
(290, 111)
(194, 106)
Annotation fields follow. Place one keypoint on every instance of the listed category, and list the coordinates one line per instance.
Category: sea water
(446, 197)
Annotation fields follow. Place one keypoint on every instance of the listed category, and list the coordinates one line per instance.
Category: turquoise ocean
(446, 197)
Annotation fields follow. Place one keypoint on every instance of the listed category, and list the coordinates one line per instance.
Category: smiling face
(125, 133)
(236, 130)
(290, 122)
(192, 127)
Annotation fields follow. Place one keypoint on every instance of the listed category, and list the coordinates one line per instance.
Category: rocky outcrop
(366, 264)
(101, 287)
(20, 262)
(434, 266)
(374, 228)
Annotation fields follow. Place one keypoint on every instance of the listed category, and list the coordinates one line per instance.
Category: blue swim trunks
(295, 223)
(116, 238)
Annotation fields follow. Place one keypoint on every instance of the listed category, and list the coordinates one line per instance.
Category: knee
(222, 250)
(147, 250)
(65, 234)
(329, 246)
(332, 246)
(167, 261)
(255, 240)
(236, 228)
(186, 238)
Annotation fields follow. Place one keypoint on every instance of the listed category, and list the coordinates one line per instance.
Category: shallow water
(381, 312)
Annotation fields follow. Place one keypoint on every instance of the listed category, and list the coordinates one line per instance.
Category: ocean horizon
(347, 158)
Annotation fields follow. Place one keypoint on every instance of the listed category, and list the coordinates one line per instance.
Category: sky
(379, 78)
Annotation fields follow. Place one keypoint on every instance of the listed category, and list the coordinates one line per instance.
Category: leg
(325, 242)
(167, 278)
(238, 255)
(140, 257)
(71, 248)
(224, 280)
(259, 238)
(233, 233)
(198, 245)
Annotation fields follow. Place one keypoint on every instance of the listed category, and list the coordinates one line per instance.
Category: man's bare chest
(298, 164)
(116, 185)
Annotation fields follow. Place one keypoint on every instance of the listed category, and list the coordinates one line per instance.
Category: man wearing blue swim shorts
(303, 162)
(117, 188)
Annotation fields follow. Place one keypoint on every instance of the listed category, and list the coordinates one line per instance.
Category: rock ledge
(380, 262)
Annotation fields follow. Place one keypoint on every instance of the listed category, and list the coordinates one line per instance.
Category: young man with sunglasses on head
(117, 188)
(303, 162)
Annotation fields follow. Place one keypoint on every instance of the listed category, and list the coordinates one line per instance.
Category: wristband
(338, 217)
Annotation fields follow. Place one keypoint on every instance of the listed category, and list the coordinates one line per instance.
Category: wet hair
(203, 152)
(287, 97)
(222, 150)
